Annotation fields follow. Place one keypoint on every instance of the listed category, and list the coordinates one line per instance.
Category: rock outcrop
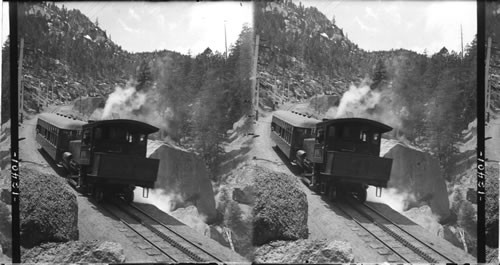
(280, 210)
(75, 252)
(305, 251)
(244, 195)
(418, 175)
(424, 217)
(184, 174)
(48, 209)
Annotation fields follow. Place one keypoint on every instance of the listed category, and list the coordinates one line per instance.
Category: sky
(413, 25)
(5, 21)
(176, 26)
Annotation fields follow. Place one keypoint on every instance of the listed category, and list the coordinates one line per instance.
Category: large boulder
(48, 209)
(184, 174)
(280, 210)
(305, 251)
(75, 252)
(418, 175)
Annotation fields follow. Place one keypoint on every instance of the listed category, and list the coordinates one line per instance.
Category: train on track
(103, 158)
(338, 156)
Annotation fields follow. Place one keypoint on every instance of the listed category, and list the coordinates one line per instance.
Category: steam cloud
(396, 200)
(401, 202)
(167, 203)
(123, 101)
(363, 102)
(159, 198)
(128, 103)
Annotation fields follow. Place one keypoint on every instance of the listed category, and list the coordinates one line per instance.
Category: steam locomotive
(106, 157)
(338, 156)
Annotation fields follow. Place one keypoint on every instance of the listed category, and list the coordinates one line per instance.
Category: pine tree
(144, 77)
(379, 75)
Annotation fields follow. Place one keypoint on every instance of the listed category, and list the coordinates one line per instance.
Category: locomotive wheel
(361, 194)
(332, 193)
(129, 196)
(98, 194)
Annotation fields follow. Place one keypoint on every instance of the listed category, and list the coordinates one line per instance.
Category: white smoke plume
(363, 102)
(167, 203)
(159, 198)
(391, 197)
(123, 102)
(401, 202)
(128, 103)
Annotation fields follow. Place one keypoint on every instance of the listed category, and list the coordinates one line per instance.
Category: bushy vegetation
(280, 211)
(491, 208)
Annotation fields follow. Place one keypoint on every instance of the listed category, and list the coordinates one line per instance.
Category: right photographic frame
(373, 106)
(492, 127)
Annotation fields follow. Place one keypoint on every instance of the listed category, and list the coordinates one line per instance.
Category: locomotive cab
(112, 155)
(345, 153)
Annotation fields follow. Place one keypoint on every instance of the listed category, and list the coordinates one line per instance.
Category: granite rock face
(184, 174)
(418, 175)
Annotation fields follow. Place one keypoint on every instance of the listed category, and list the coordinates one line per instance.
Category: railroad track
(171, 246)
(400, 245)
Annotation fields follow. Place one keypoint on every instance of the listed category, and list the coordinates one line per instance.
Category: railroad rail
(405, 247)
(197, 250)
(432, 251)
(116, 213)
(168, 242)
